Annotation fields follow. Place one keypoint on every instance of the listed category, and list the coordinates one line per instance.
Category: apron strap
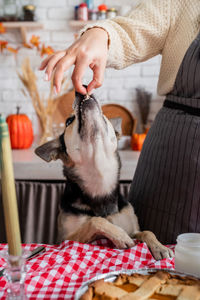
(185, 108)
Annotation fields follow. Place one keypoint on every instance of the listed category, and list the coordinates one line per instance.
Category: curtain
(38, 205)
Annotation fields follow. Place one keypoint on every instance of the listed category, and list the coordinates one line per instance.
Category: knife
(33, 253)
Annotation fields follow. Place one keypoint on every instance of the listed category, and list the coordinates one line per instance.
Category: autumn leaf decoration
(3, 45)
(34, 43)
(13, 50)
(2, 28)
(46, 50)
(26, 45)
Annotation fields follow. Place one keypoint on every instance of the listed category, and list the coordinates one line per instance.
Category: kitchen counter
(29, 166)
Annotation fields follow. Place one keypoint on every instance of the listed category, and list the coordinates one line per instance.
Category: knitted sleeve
(138, 36)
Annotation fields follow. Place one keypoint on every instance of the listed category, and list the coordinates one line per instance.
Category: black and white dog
(92, 206)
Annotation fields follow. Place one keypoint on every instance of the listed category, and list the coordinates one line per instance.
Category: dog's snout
(89, 103)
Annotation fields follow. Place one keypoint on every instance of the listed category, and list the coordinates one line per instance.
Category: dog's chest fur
(93, 191)
(76, 201)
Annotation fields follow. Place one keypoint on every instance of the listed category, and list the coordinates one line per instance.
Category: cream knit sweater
(165, 27)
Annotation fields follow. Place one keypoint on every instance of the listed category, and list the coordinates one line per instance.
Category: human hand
(90, 50)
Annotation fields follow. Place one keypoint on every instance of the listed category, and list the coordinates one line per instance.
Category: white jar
(111, 13)
(82, 12)
(187, 254)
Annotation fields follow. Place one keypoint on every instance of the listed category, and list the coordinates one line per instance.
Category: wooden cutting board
(116, 110)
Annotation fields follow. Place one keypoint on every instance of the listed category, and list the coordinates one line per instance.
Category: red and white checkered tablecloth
(62, 269)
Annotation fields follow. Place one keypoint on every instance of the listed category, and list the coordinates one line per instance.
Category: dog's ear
(50, 150)
(117, 125)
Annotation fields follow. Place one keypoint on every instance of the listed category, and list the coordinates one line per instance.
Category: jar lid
(102, 7)
(29, 7)
(83, 5)
(190, 239)
(112, 9)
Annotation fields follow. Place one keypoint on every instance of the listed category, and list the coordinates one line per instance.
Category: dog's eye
(69, 120)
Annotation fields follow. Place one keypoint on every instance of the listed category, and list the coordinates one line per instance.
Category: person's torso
(183, 30)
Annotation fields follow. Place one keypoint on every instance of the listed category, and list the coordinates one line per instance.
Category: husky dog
(92, 206)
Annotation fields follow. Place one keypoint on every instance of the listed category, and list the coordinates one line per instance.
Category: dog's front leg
(158, 250)
(98, 227)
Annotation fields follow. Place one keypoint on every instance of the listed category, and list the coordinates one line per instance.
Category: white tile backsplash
(118, 87)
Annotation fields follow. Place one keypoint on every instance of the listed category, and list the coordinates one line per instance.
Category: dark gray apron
(165, 191)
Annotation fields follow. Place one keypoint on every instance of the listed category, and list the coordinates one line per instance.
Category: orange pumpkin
(20, 129)
(137, 141)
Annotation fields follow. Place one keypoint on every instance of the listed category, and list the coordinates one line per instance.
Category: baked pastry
(160, 285)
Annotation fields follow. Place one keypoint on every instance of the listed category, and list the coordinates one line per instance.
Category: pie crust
(160, 285)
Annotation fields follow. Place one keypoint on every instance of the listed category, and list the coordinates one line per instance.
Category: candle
(8, 192)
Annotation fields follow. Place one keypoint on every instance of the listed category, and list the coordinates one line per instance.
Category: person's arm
(138, 36)
(135, 38)
(90, 50)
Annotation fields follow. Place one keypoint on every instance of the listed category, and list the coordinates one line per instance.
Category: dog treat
(87, 96)
(160, 285)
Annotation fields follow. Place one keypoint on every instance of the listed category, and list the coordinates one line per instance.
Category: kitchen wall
(119, 86)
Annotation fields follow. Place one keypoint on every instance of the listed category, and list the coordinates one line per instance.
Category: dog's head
(87, 147)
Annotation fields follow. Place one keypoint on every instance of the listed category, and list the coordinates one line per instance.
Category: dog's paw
(123, 241)
(161, 252)
(123, 244)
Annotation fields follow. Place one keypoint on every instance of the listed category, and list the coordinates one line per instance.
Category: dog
(92, 206)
